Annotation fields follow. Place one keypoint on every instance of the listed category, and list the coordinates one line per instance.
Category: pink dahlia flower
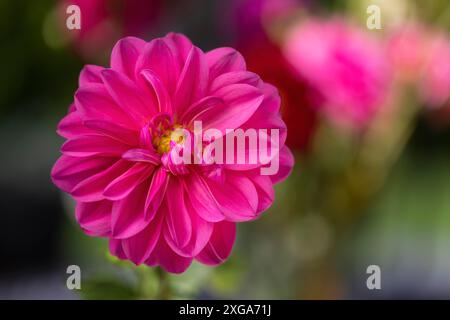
(423, 56)
(117, 162)
(344, 64)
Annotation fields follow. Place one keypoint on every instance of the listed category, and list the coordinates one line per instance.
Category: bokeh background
(368, 115)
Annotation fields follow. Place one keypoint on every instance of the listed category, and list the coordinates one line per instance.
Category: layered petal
(158, 58)
(223, 60)
(128, 214)
(121, 187)
(178, 225)
(193, 81)
(220, 245)
(131, 98)
(125, 54)
(69, 171)
(139, 247)
(95, 217)
(92, 188)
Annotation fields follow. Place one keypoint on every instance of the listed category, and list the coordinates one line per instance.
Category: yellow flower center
(162, 142)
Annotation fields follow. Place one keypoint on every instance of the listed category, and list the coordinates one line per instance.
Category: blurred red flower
(105, 21)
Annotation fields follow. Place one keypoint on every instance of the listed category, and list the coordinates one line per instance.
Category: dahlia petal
(201, 108)
(128, 214)
(193, 81)
(128, 96)
(121, 187)
(142, 155)
(90, 74)
(159, 90)
(178, 221)
(223, 60)
(116, 249)
(266, 193)
(180, 46)
(68, 171)
(95, 217)
(201, 233)
(220, 245)
(125, 54)
(241, 101)
(156, 192)
(138, 247)
(91, 189)
(202, 200)
(114, 131)
(158, 58)
(72, 125)
(94, 103)
(89, 145)
(272, 99)
(168, 259)
(286, 165)
(237, 197)
(235, 77)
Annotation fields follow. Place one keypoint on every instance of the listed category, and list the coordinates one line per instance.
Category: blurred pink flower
(435, 86)
(116, 161)
(347, 66)
(422, 57)
(105, 21)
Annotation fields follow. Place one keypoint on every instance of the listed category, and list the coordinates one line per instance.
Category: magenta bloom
(115, 161)
(344, 64)
(422, 56)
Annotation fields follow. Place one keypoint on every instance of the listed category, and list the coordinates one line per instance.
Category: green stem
(164, 290)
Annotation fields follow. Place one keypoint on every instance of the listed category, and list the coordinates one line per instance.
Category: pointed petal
(200, 108)
(156, 192)
(95, 217)
(94, 103)
(128, 214)
(193, 81)
(158, 58)
(90, 74)
(201, 199)
(180, 46)
(68, 171)
(158, 90)
(223, 60)
(168, 259)
(220, 245)
(178, 221)
(142, 155)
(287, 162)
(72, 126)
(138, 247)
(114, 131)
(201, 233)
(115, 247)
(236, 197)
(266, 193)
(241, 101)
(125, 54)
(89, 145)
(131, 98)
(121, 187)
(91, 189)
(235, 77)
